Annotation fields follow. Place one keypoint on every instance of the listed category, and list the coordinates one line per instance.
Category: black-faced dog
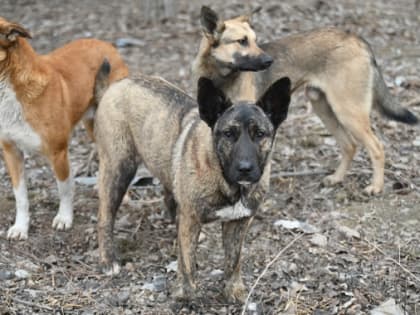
(213, 162)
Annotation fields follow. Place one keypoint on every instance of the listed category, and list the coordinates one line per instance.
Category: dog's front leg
(189, 228)
(15, 165)
(61, 166)
(233, 236)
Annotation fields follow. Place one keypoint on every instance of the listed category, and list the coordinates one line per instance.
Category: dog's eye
(243, 41)
(228, 133)
(260, 133)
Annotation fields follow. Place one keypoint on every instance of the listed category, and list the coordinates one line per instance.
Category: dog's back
(87, 53)
(158, 109)
(329, 58)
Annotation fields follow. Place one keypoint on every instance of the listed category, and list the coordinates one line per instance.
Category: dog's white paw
(62, 222)
(235, 291)
(372, 190)
(18, 232)
(113, 270)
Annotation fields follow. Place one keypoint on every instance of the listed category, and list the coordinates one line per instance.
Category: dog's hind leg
(93, 156)
(170, 203)
(353, 114)
(233, 236)
(115, 174)
(15, 164)
(344, 139)
(89, 126)
(361, 130)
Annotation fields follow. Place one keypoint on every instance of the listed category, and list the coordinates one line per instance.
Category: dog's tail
(386, 103)
(102, 80)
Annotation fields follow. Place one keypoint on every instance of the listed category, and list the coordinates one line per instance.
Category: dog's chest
(13, 126)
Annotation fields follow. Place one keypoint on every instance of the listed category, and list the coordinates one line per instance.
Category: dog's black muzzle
(252, 63)
(245, 172)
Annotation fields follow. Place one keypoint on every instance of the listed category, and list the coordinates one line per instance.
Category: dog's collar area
(231, 213)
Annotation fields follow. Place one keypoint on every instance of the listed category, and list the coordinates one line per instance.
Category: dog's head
(232, 43)
(243, 133)
(9, 33)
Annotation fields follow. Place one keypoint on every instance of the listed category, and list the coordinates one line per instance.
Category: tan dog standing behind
(42, 97)
(342, 79)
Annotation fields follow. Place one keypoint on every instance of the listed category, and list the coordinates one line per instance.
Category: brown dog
(213, 162)
(342, 79)
(41, 100)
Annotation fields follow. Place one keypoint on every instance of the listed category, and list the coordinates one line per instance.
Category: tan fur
(338, 67)
(11, 156)
(54, 91)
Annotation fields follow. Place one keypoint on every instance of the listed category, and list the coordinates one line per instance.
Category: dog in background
(213, 162)
(42, 97)
(342, 79)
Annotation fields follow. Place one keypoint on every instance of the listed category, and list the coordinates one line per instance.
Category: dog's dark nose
(266, 60)
(245, 167)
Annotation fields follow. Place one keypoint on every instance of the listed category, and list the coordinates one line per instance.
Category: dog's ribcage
(13, 126)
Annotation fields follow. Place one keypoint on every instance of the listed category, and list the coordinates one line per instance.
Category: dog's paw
(184, 293)
(331, 180)
(62, 222)
(111, 269)
(372, 190)
(18, 232)
(235, 292)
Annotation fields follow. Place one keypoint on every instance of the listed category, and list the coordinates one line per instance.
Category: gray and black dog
(212, 160)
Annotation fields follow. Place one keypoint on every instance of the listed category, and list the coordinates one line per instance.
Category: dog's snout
(245, 167)
(266, 60)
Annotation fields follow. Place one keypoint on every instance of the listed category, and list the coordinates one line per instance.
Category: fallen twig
(266, 268)
(136, 229)
(31, 304)
(299, 173)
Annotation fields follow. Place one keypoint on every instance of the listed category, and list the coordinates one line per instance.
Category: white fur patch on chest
(235, 212)
(13, 126)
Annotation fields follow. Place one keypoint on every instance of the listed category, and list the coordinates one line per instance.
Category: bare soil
(356, 252)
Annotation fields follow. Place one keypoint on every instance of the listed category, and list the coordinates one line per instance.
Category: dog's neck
(237, 85)
(240, 86)
(23, 71)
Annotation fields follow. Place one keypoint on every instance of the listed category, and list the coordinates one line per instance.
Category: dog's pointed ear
(248, 17)
(12, 31)
(210, 21)
(253, 12)
(275, 101)
(212, 102)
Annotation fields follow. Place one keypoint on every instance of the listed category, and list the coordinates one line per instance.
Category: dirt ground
(353, 253)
